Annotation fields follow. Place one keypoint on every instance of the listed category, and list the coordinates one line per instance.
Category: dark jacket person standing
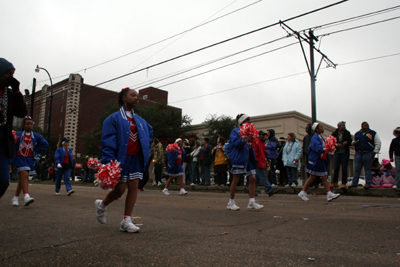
(205, 162)
(11, 104)
(342, 153)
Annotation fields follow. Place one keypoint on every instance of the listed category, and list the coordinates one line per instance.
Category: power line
(218, 43)
(279, 78)
(163, 40)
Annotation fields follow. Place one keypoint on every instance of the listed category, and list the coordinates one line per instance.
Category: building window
(62, 108)
(60, 123)
(59, 136)
(63, 94)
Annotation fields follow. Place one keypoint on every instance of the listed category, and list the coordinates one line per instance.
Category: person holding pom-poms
(126, 138)
(317, 163)
(175, 156)
(243, 160)
(28, 143)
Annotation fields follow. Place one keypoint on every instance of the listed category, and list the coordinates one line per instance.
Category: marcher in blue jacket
(174, 167)
(63, 162)
(126, 137)
(317, 163)
(28, 143)
(243, 163)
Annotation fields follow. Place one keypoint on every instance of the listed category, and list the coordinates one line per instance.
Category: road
(197, 230)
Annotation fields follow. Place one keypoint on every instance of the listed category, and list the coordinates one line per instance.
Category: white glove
(59, 166)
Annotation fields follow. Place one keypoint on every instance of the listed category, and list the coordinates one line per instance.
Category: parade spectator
(91, 172)
(261, 174)
(11, 104)
(205, 162)
(195, 175)
(28, 143)
(52, 173)
(158, 159)
(272, 152)
(244, 163)
(44, 168)
(63, 161)
(73, 168)
(342, 154)
(85, 169)
(220, 162)
(367, 144)
(388, 173)
(174, 168)
(283, 179)
(126, 137)
(186, 161)
(291, 155)
(395, 148)
(317, 163)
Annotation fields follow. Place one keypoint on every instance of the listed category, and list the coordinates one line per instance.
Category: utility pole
(313, 77)
(311, 67)
(33, 96)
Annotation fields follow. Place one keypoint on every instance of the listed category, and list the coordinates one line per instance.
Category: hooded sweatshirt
(272, 145)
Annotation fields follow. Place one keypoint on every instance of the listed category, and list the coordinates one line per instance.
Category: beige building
(284, 123)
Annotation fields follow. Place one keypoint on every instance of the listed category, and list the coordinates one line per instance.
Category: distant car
(361, 181)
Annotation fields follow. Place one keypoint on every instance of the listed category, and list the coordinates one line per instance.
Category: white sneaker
(192, 184)
(128, 226)
(331, 196)
(165, 191)
(233, 206)
(255, 206)
(183, 191)
(70, 192)
(15, 202)
(159, 183)
(395, 186)
(28, 200)
(57, 194)
(153, 184)
(100, 213)
(303, 195)
(288, 185)
(273, 185)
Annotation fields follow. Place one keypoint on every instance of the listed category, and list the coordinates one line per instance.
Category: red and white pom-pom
(330, 144)
(94, 164)
(15, 136)
(109, 175)
(248, 130)
(172, 147)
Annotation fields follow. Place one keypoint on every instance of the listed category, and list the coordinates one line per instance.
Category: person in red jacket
(260, 151)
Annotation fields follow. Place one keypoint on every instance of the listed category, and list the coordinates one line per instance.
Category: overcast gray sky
(69, 36)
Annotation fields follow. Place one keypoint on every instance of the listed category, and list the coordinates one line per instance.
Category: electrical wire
(218, 43)
(279, 78)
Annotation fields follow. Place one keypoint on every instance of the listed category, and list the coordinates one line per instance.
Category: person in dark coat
(342, 153)
(11, 104)
(205, 157)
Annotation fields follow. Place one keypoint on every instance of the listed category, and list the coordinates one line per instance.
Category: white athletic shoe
(159, 183)
(165, 191)
(15, 202)
(331, 196)
(395, 186)
(28, 200)
(128, 226)
(100, 213)
(192, 184)
(70, 192)
(255, 206)
(183, 191)
(233, 206)
(153, 184)
(303, 195)
(57, 194)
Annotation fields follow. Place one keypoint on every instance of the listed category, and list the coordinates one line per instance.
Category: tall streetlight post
(51, 102)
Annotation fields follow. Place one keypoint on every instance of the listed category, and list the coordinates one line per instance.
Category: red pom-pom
(94, 164)
(172, 147)
(15, 136)
(330, 144)
(248, 130)
(109, 175)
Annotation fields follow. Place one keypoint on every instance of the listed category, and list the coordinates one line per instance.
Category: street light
(51, 101)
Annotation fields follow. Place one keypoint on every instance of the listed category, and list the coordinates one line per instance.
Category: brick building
(76, 108)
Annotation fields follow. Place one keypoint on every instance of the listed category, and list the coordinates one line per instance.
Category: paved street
(197, 230)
